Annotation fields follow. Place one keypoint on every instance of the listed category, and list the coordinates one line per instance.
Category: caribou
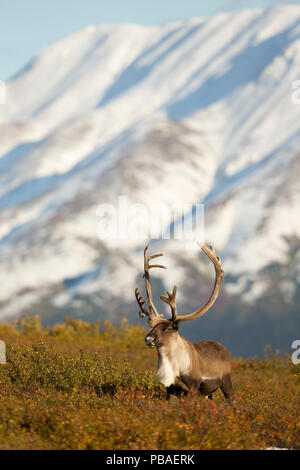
(184, 366)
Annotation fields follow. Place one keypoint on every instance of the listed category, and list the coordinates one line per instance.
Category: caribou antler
(171, 300)
(210, 252)
(141, 302)
(152, 313)
(147, 267)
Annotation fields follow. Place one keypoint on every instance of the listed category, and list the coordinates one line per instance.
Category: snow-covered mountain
(185, 112)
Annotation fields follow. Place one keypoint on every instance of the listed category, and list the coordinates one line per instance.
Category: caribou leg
(178, 388)
(227, 387)
(209, 397)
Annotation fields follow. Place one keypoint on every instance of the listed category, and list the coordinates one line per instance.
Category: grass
(74, 386)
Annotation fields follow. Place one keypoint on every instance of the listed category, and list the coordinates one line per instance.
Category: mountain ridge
(200, 109)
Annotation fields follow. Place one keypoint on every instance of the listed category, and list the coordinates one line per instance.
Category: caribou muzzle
(150, 341)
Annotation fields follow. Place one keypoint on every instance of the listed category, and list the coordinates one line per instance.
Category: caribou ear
(175, 325)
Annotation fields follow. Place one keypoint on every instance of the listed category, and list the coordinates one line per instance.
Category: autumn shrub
(83, 386)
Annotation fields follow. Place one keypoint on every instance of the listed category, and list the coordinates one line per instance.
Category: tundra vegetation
(89, 386)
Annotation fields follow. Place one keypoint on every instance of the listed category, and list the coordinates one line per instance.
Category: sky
(27, 26)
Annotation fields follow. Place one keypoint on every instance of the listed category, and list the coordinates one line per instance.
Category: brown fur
(190, 367)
